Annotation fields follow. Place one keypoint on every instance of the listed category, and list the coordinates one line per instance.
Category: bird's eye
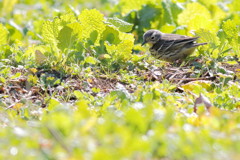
(152, 37)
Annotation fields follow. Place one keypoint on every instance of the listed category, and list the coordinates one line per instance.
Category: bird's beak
(144, 43)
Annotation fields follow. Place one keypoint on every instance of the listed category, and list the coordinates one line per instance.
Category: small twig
(182, 79)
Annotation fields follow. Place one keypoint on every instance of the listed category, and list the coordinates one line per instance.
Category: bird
(170, 47)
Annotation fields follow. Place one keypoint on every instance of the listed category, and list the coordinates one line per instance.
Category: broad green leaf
(111, 35)
(123, 50)
(53, 103)
(209, 37)
(208, 3)
(232, 31)
(2, 80)
(147, 14)
(197, 86)
(66, 38)
(93, 37)
(68, 18)
(130, 5)
(120, 24)
(168, 18)
(192, 10)
(3, 35)
(181, 1)
(234, 5)
(50, 31)
(196, 16)
(15, 33)
(167, 28)
(78, 94)
(176, 8)
(92, 20)
(218, 14)
(77, 29)
(8, 6)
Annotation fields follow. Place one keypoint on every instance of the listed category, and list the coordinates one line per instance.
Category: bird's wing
(178, 40)
(175, 37)
(174, 41)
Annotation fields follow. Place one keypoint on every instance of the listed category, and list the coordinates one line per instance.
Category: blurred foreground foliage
(92, 39)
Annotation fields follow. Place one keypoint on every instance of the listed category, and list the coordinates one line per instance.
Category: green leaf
(66, 38)
(147, 14)
(93, 36)
(111, 35)
(3, 35)
(77, 30)
(68, 18)
(15, 32)
(120, 24)
(197, 16)
(50, 31)
(209, 37)
(234, 5)
(92, 20)
(53, 103)
(123, 50)
(90, 60)
(8, 6)
(167, 16)
(78, 94)
(130, 5)
(232, 30)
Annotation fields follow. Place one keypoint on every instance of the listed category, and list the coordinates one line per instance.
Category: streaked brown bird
(170, 47)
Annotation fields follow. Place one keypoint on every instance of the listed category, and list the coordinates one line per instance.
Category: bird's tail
(199, 44)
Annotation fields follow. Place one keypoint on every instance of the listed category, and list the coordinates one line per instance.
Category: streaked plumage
(170, 47)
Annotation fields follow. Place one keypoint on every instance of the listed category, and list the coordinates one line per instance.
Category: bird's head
(151, 36)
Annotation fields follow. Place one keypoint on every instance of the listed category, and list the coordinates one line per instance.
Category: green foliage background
(89, 38)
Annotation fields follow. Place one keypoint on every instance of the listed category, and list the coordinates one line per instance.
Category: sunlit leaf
(66, 38)
(120, 24)
(68, 18)
(209, 37)
(50, 31)
(111, 35)
(14, 32)
(3, 35)
(121, 51)
(8, 6)
(129, 5)
(90, 60)
(91, 20)
(53, 103)
(196, 16)
(76, 29)
(147, 14)
(234, 5)
(197, 86)
(232, 30)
